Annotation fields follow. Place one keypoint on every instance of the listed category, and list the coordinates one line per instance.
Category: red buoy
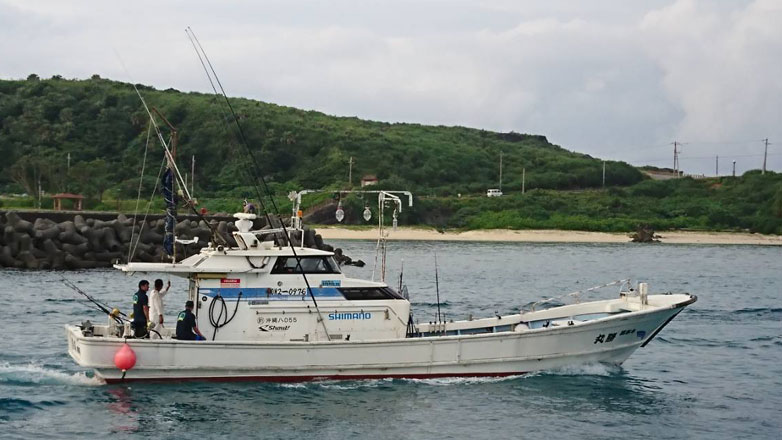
(125, 358)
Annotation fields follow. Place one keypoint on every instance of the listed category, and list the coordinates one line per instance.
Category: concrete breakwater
(37, 241)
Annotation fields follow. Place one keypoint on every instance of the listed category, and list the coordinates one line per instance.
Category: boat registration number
(605, 338)
(293, 291)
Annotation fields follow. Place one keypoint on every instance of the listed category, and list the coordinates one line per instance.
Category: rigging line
(194, 41)
(225, 116)
(256, 169)
(246, 144)
(138, 195)
(149, 205)
(177, 175)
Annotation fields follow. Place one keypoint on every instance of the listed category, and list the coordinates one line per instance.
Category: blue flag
(170, 199)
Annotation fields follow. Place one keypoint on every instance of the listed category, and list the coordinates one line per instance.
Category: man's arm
(146, 312)
(198, 332)
(163, 292)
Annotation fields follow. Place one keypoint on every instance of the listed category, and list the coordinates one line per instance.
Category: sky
(616, 79)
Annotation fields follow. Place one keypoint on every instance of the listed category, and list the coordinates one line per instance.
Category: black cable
(223, 308)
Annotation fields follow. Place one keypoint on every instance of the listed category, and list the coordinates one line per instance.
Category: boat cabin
(263, 292)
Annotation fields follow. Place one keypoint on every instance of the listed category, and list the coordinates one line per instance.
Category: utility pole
(350, 171)
(192, 176)
(604, 174)
(500, 171)
(676, 158)
(717, 166)
(68, 172)
(765, 153)
(734, 168)
(523, 178)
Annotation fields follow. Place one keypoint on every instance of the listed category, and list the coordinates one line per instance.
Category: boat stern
(73, 333)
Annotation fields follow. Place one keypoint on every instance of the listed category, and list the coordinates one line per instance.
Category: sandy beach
(549, 236)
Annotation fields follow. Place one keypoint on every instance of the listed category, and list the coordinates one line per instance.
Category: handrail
(577, 294)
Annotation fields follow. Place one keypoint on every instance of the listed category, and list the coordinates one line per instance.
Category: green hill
(103, 127)
(101, 123)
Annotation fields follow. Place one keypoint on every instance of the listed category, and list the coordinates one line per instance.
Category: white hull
(491, 354)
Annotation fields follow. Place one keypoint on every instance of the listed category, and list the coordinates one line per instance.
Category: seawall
(71, 241)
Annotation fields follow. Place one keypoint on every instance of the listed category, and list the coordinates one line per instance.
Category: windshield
(288, 265)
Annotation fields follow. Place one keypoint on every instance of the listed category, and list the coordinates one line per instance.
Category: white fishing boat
(272, 310)
(264, 321)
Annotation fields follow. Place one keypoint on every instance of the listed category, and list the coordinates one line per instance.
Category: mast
(169, 196)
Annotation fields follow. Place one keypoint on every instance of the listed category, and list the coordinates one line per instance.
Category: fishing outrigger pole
(114, 313)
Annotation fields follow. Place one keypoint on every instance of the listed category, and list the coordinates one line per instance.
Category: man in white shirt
(156, 307)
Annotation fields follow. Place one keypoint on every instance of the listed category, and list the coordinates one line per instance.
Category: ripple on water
(37, 374)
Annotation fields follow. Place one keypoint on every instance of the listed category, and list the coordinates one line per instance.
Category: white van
(493, 193)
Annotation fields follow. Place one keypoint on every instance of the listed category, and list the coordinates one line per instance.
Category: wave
(36, 374)
(735, 315)
(758, 311)
(430, 304)
(595, 369)
(12, 405)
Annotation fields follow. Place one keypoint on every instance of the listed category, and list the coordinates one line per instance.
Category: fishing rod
(102, 307)
(255, 174)
(437, 287)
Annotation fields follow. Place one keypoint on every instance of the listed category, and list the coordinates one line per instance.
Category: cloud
(615, 79)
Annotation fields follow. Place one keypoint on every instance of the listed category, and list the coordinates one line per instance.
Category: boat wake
(37, 374)
(446, 381)
(353, 384)
(333, 384)
(596, 369)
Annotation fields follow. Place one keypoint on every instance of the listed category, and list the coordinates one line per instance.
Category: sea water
(714, 372)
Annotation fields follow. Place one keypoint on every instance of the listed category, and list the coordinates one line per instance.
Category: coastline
(549, 236)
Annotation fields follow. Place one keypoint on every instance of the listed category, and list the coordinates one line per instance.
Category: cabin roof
(230, 260)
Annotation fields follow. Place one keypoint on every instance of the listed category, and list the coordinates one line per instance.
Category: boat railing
(577, 294)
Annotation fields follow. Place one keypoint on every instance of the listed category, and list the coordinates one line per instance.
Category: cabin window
(286, 265)
(369, 293)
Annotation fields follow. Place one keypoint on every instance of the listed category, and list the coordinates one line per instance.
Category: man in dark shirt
(141, 309)
(186, 328)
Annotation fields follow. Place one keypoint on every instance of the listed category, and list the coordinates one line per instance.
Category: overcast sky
(615, 79)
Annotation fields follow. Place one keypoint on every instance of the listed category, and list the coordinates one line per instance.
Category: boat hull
(497, 354)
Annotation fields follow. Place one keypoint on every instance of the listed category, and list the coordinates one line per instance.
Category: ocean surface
(714, 372)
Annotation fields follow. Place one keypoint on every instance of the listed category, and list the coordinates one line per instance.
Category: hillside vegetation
(103, 127)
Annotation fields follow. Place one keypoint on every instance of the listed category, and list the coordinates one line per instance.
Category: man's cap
(189, 304)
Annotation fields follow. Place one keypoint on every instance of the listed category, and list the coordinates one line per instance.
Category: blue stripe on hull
(296, 294)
